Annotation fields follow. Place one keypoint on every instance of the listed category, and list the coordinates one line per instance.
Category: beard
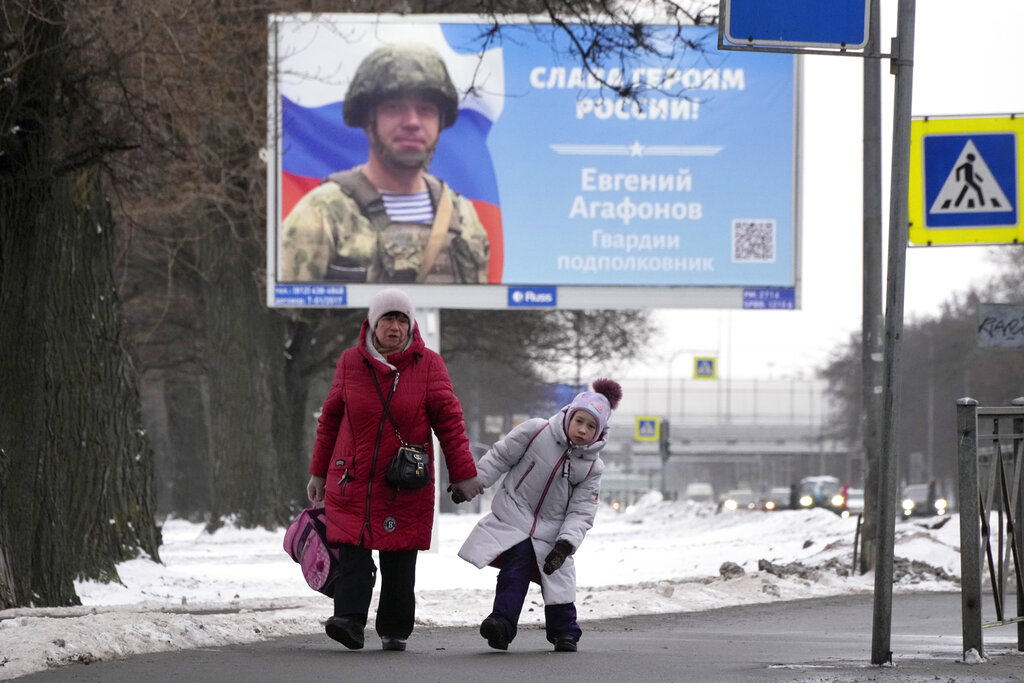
(409, 160)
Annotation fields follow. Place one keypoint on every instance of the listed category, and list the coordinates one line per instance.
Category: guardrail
(991, 474)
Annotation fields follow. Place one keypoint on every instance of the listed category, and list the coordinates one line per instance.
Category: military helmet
(408, 68)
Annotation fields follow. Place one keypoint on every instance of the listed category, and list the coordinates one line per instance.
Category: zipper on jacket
(523, 478)
(343, 482)
(544, 494)
(367, 529)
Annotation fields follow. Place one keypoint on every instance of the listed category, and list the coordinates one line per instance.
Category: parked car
(777, 498)
(821, 491)
(923, 500)
(738, 499)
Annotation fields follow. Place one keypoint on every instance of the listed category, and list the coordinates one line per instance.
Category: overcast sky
(966, 62)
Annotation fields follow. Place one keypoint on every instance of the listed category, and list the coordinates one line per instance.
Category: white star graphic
(636, 149)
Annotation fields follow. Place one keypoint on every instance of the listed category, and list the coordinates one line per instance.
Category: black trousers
(396, 609)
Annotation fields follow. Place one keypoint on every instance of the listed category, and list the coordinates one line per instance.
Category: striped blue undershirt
(409, 208)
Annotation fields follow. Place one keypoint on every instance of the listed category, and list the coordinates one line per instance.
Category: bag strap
(442, 220)
(386, 403)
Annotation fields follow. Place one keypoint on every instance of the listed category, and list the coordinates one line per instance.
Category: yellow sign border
(921, 127)
(645, 418)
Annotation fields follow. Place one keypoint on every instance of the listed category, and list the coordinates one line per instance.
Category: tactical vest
(400, 245)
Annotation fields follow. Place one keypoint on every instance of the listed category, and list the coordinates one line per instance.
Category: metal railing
(990, 456)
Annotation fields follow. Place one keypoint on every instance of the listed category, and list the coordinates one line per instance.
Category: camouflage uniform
(328, 237)
(340, 232)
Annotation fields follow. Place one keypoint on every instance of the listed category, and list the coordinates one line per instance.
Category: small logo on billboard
(525, 297)
(769, 298)
(314, 296)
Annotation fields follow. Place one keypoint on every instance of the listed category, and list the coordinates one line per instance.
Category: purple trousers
(518, 567)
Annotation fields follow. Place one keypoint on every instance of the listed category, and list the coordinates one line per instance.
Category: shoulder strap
(435, 186)
(371, 203)
(442, 219)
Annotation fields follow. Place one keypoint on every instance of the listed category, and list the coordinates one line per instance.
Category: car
(699, 492)
(923, 500)
(854, 502)
(738, 499)
(777, 498)
(822, 491)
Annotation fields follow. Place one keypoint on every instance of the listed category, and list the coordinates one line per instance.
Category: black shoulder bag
(410, 466)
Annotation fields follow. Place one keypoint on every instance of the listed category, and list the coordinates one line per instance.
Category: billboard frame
(505, 296)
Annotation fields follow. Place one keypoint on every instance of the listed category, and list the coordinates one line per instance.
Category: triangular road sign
(970, 187)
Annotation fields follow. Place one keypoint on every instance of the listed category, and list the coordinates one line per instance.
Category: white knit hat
(388, 300)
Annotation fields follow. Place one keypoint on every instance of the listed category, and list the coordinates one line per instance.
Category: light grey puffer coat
(550, 492)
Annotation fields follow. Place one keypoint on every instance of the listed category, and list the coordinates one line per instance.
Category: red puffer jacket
(355, 442)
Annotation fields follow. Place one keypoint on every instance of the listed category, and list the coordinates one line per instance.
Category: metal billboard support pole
(902, 67)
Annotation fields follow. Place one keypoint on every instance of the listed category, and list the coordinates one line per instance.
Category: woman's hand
(315, 489)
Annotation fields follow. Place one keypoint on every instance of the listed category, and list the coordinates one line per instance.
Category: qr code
(753, 240)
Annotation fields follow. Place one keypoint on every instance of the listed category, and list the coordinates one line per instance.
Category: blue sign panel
(311, 296)
(704, 368)
(760, 298)
(647, 428)
(797, 23)
(970, 180)
(532, 297)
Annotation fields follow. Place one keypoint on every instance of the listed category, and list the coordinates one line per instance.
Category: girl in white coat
(546, 504)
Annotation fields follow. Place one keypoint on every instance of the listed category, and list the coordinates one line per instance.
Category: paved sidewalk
(810, 641)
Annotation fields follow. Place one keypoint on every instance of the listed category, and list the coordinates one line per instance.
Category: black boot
(495, 632)
(565, 645)
(346, 631)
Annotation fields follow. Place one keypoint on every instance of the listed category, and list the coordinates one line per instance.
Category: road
(826, 640)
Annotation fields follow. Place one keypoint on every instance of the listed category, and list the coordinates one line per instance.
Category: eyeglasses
(395, 318)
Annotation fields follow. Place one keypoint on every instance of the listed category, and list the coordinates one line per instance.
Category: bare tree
(159, 108)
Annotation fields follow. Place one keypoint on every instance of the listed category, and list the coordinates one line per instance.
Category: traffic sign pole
(872, 315)
(902, 66)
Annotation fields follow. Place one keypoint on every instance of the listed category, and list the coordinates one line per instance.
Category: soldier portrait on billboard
(388, 220)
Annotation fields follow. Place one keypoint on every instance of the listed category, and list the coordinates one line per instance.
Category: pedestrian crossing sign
(647, 428)
(965, 177)
(705, 367)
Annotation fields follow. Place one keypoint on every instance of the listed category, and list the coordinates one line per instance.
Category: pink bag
(305, 541)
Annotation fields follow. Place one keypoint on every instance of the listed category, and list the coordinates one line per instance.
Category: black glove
(556, 557)
(457, 496)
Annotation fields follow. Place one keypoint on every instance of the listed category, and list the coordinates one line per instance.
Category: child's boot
(496, 632)
(565, 644)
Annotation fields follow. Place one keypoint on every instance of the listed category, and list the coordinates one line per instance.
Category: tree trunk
(187, 461)
(244, 356)
(76, 491)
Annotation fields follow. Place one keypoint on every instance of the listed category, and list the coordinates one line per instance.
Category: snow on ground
(238, 585)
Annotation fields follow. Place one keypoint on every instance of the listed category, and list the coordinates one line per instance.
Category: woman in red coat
(355, 441)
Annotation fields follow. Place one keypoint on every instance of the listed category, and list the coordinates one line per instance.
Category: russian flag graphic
(315, 67)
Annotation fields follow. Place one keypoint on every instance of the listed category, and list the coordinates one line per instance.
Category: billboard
(683, 196)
